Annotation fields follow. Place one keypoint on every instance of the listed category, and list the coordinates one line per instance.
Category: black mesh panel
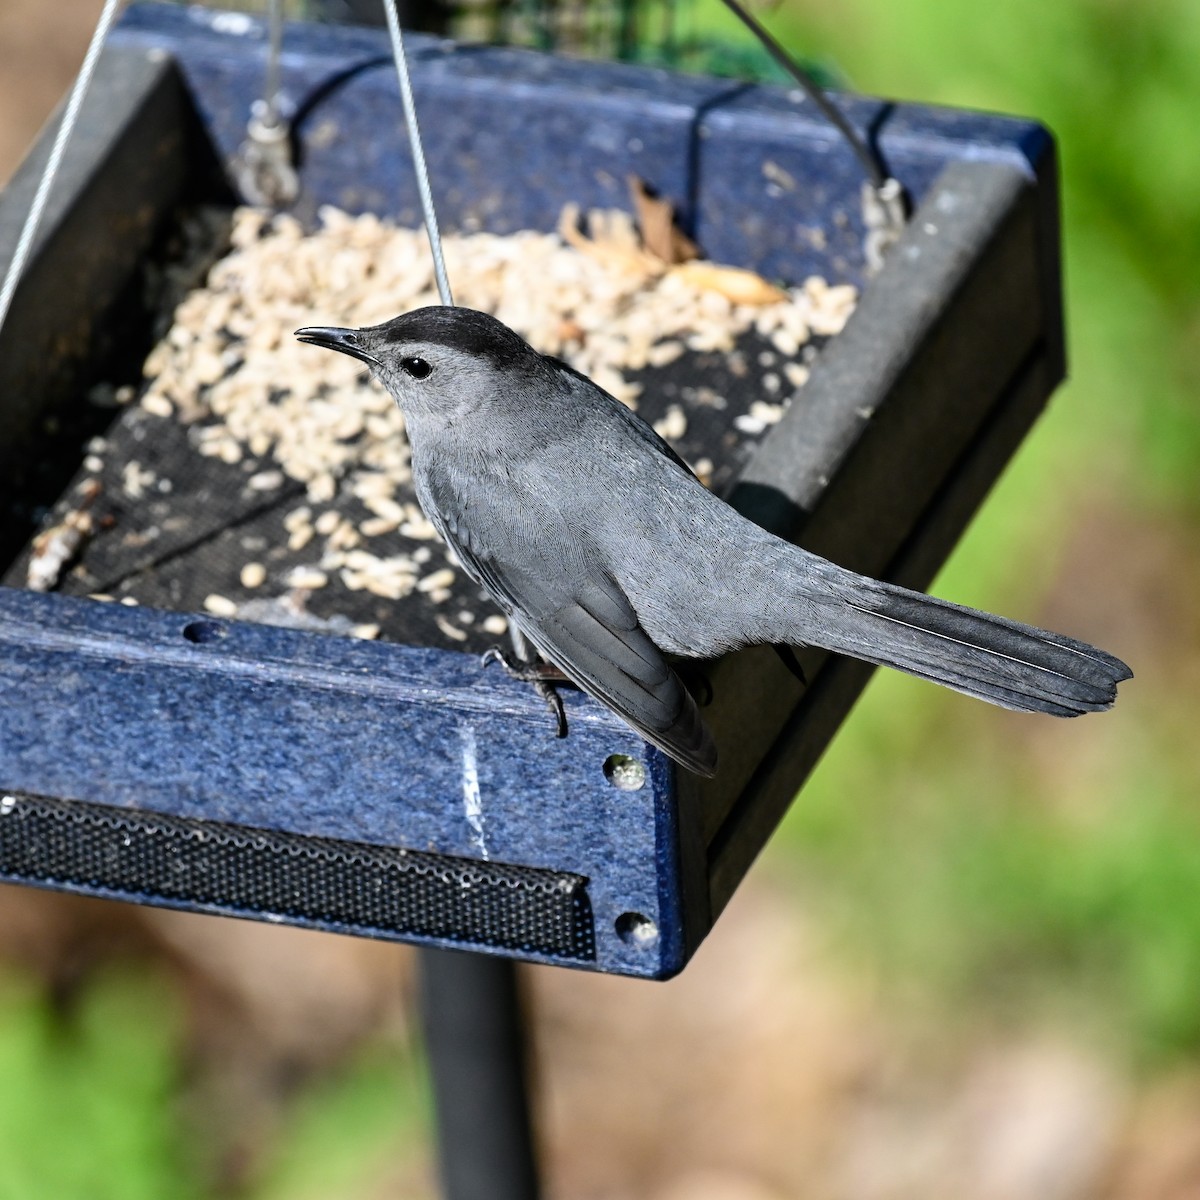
(144, 856)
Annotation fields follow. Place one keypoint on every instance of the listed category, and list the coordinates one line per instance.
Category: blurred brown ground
(761, 1074)
(41, 47)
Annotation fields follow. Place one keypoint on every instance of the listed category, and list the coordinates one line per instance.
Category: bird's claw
(493, 654)
(549, 693)
(541, 675)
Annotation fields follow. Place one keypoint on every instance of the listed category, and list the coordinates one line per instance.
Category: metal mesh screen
(150, 857)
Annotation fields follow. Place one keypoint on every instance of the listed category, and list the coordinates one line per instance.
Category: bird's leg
(544, 677)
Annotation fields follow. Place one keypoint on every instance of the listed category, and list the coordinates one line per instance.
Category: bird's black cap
(464, 329)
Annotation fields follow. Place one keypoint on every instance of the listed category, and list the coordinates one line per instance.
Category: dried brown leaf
(612, 243)
(735, 284)
(656, 221)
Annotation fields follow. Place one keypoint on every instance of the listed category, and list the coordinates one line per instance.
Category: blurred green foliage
(1119, 86)
(92, 1105)
(86, 1093)
(1011, 879)
(973, 888)
(350, 1131)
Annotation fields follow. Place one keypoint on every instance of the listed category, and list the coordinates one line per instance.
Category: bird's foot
(543, 676)
(538, 671)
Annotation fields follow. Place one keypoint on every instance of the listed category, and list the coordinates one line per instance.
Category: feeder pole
(474, 1035)
(475, 1042)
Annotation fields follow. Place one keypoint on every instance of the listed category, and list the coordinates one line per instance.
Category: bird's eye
(418, 368)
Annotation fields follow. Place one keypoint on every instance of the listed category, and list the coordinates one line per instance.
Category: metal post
(475, 1040)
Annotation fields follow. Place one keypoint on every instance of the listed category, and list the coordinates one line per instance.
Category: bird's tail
(1004, 662)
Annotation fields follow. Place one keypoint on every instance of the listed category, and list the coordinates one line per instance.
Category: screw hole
(201, 633)
(636, 930)
(624, 772)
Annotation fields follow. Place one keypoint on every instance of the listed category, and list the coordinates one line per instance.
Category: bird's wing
(583, 622)
(581, 385)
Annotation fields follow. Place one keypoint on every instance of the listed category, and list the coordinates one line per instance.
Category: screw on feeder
(624, 773)
(636, 930)
(70, 116)
(884, 204)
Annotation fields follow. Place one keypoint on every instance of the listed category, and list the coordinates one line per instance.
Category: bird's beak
(345, 340)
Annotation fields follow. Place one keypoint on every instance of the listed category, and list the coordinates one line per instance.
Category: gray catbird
(595, 538)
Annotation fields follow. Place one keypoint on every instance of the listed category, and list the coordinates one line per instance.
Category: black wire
(869, 159)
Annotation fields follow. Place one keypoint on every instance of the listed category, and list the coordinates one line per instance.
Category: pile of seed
(231, 370)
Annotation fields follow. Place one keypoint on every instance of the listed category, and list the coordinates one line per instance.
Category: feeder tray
(393, 789)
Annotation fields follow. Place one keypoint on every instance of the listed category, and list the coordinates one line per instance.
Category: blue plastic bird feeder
(395, 791)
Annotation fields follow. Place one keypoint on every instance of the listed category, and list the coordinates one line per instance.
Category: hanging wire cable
(70, 116)
(274, 57)
(884, 203)
(418, 154)
(870, 160)
(263, 168)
